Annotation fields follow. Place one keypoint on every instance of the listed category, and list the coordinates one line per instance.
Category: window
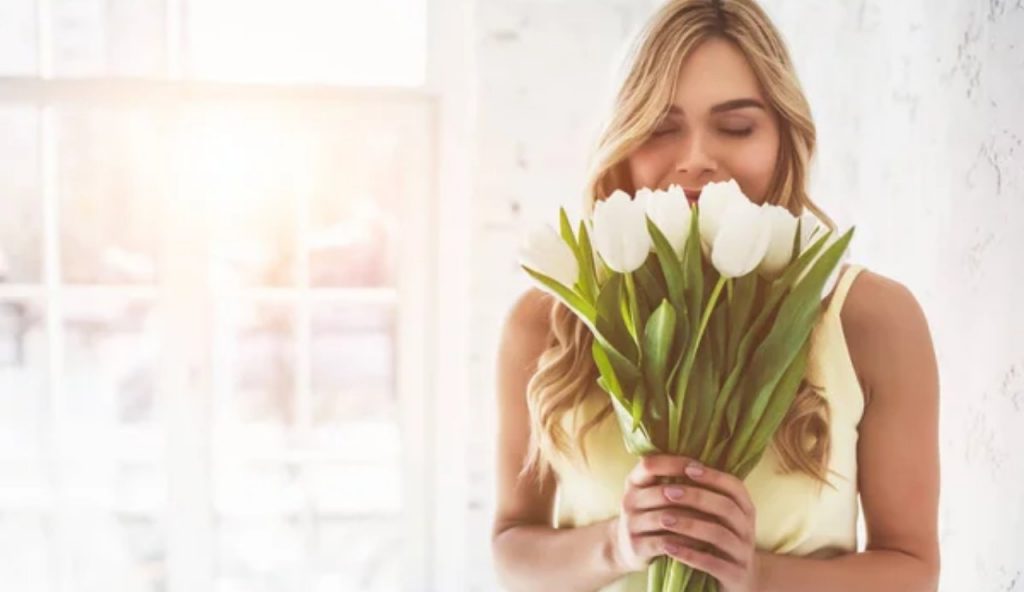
(207, 342)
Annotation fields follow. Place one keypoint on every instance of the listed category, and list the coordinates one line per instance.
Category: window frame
(432, 295)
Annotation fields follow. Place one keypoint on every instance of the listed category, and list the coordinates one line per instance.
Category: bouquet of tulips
(688, 370)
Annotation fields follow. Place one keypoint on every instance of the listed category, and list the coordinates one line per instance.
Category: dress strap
(838, 296)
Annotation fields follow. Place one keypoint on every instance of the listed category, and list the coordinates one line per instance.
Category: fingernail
(674, 493)
(695, 469)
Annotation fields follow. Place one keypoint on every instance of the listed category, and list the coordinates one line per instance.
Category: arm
(529, 554)
(897, 453)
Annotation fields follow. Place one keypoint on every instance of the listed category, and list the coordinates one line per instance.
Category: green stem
(634, 313)
(691, 355)
(677, 577)
(656, 574)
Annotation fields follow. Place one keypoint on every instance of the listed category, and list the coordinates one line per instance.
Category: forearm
(536, 557)
(875, 570)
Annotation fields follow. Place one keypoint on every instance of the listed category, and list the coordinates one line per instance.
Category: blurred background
(255, 255)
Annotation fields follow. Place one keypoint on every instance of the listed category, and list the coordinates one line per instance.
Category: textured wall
(921, 145)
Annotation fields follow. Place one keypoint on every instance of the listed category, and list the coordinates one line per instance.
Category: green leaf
(789, 332)
(610, 321)
(585, 259)
(658, 335)
(581, 307)
(700, 405)
(644, 306)
(565, 229)
(638, 441)
(753, 335)
(627, 370)
(740, 310)
(650, 283)
(670, 266)
(610, 382)
(693, 270)
(627, 309)
(639, 404)
(778, 405)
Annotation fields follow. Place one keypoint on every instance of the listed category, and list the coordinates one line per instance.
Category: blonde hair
(566, 374)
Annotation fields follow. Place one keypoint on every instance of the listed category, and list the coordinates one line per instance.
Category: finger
(649, 546)
(650, 467)
(725, 483)
(709, 501)
(727, 573)
(691, 527)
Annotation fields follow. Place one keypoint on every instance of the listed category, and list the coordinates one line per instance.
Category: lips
(692, 194)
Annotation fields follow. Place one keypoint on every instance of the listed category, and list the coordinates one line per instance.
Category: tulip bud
(670, 212)
(742, 239)
(714, 200)
(620, 232)
(545, 252)
(780, 248)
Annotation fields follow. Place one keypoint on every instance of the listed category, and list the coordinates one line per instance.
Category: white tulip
(742, 239)
(620, 232)
(812, 230)
(670, 212)
(600, 270)
(715, 198)
(780, 248)
(546, 252)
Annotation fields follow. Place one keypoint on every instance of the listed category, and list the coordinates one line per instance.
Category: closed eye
(736, 133)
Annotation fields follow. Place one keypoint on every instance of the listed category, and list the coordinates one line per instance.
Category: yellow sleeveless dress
(795, 514)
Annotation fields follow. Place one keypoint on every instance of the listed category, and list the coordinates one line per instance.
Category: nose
(695, 161)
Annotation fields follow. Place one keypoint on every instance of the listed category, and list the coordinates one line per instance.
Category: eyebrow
(726, 106)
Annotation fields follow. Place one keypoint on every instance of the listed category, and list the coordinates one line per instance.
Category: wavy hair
(565, 374)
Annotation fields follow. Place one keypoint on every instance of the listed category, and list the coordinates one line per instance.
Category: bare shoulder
(523, 338)
(525, 326)
(886, 331)
(530, 309)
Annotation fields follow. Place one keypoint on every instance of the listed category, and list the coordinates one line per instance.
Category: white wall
(921, 145)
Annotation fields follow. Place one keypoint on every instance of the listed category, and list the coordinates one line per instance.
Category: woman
(711, 95)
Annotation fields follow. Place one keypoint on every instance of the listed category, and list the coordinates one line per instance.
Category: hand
(716, 510)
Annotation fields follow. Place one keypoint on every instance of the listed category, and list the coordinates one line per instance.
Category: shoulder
(524, 330)
(532, 307)
(886, 331)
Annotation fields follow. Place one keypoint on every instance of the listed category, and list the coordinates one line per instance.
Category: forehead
(716, 71)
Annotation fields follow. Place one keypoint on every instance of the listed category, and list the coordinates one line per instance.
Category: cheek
(649, 165)
(755, 162)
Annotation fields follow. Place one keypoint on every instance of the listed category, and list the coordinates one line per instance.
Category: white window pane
(22, 378)
(369, 166)
(260, 364)
(25, 552)
(21, 217)
(108, 37)
(115, 553)
(373, 565)
(17, 38)
(380, 43)
(111, 165)
(353, 362)
(243, 165)
(252, 490)
(260, 555)
(355, 489)
(111, 350)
